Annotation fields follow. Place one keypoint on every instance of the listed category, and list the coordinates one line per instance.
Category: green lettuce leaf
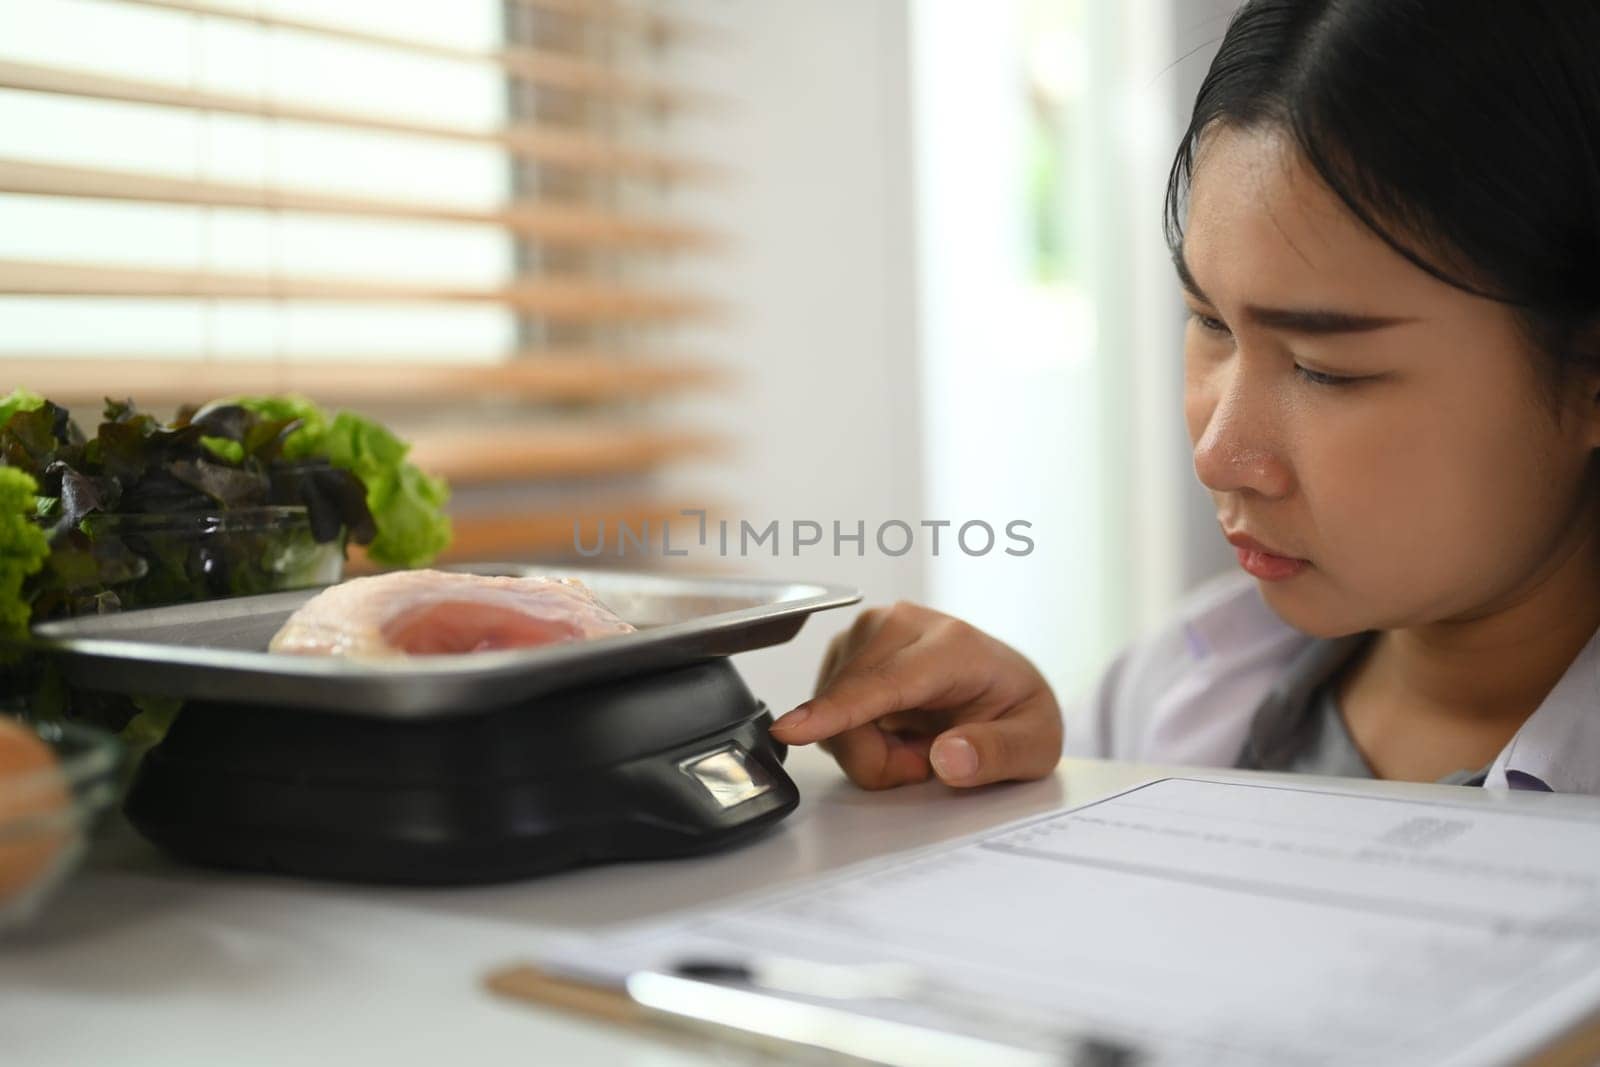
(407, 505)
(216, 459)
(23, 548)
(19, 400)
(224, 448)
(310, 424)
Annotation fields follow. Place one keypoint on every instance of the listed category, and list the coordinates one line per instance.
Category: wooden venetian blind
(455, 216)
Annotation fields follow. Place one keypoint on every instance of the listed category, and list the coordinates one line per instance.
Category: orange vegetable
(30, 794)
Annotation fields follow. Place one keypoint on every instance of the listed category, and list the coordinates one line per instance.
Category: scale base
(660, 765)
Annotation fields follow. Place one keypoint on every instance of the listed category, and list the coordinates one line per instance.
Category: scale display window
(729, 775)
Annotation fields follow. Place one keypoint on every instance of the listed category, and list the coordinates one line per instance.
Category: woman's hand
(906, 692)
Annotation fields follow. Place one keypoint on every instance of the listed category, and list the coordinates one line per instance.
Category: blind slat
(535, 375)
(628, 17)
(471, 455)
(537, 66)
(542, 143)
(518, 535)
(574, 301)
(547, 221)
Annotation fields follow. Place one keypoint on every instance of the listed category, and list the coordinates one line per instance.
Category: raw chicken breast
(425, 613)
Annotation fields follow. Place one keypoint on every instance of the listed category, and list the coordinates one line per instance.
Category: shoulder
(1184, 692)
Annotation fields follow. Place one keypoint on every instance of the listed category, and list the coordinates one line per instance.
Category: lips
(1262, 561)
(1250, 544)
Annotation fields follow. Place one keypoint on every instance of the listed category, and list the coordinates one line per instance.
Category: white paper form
(1209, 921)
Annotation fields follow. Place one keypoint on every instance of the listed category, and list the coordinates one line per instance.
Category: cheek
(1507, 498)
(1361, 483)
(1382, 505)
(1428, 510)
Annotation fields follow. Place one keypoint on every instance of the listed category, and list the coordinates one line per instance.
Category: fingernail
(955, 759)
(793, 718)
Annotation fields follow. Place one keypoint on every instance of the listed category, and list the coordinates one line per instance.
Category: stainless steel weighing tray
(216, 650)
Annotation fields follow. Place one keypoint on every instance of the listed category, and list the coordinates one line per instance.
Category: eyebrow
(1314, 321)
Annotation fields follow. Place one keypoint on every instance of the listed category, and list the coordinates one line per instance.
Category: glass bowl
(55, 781)
(202, 555)
(175, 557)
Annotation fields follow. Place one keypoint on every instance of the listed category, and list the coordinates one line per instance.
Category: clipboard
(1177, 858)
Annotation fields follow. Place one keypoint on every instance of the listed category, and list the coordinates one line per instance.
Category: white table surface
(139, 960)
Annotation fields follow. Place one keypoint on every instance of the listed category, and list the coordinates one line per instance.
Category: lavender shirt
(1227, 683)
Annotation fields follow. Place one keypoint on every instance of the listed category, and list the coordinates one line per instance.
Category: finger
(918, 722)
(1021, 745)
(864, 692)
(873, 759)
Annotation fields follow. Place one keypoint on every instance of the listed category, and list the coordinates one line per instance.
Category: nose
(1234, 423)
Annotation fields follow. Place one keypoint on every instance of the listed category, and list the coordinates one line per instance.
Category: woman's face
(1431, 481)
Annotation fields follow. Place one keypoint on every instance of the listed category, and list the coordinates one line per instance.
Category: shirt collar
(1558, 747)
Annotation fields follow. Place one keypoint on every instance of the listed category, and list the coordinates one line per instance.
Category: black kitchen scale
(454, 769)
(665, 764)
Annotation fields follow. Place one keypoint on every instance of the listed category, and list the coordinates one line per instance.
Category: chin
(1312, 610)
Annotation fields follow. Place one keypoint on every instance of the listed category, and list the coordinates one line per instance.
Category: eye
(1208, 323)
(1318, 378)
(1215, 326)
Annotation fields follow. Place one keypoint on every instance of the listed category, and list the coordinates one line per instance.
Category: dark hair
(1465, 133)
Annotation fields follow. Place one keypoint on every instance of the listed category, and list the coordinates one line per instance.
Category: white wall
(825, 412)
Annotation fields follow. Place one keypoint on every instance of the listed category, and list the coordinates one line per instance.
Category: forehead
(1260, 220)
